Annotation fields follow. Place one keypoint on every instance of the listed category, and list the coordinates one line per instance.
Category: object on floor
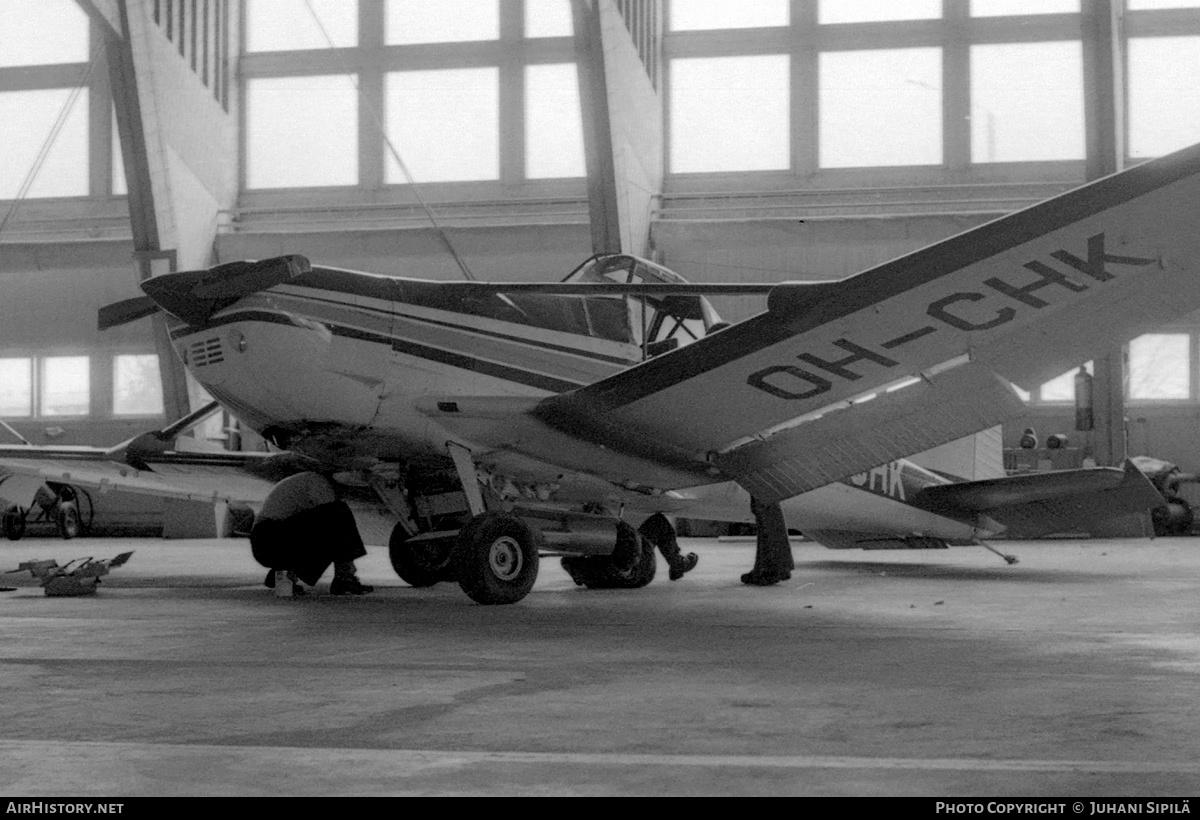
(77, 577)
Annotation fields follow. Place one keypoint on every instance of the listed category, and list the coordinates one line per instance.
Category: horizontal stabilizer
(1029, 506)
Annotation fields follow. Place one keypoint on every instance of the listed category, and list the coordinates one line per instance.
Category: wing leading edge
(1020, 299)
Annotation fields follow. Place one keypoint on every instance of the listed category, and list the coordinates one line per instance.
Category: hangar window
(864, 11)
(289, 25)
(553, 122)
(1004, 8)
(441, 21)
(43, 33)
(16, 388)
(45, 139)
(1160, 366)
(880, 107)
(548, 18)
(1016, 115)
(301, 131)
(64, 387)
(1164, 94)
(445, 124)
(691, 15)
(137, 385)
(730, 114)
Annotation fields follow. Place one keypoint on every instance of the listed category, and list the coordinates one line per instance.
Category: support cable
(462, 266)
(48, 142)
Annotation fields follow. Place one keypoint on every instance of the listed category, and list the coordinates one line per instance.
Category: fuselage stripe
(392, 314)
(541, 381)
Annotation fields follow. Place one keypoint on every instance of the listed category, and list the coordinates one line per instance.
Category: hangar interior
(730, 141)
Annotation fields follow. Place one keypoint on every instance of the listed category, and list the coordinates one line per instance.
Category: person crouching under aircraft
(302, 529)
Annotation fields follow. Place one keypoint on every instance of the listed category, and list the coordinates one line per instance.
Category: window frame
(372, 60)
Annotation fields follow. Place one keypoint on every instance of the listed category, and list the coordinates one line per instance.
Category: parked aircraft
(501, 421)
(62, 485)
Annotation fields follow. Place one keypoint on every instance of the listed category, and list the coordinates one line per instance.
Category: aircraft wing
(1043, 503)
(775, 402)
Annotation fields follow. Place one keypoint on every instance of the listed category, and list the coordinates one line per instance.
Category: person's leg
(346, 547)
(773, 551)
(269, 541)
(323, 535)
(657, 530)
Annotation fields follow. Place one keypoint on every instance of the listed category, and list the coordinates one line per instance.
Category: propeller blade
(126, 311)
(195, 295)
(240, 279)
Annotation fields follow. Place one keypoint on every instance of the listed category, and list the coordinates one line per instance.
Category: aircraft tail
(974, 458)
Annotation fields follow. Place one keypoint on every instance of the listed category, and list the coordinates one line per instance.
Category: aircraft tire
(14, 523)
(632, 564)
(69, 522)
(496, 559)
(423, 563)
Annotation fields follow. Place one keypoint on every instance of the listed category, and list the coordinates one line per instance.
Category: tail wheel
(69, 522)
(14, 523)
(424, 562)
(632, 564)
(496, 558)
(1173, 518)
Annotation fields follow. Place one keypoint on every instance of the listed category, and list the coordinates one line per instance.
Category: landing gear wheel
(69, 522)
(14, 523)
(496, 559)
(1173, 518)
(632, 564)
(421, 563)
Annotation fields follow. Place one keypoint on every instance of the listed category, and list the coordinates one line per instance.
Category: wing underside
(798, 396)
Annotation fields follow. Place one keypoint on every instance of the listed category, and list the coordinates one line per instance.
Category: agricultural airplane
(502, 421)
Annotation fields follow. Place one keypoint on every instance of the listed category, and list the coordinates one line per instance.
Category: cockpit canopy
(656, 323)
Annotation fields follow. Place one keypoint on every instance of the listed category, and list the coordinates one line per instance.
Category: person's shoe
(574, 567)
(269, 581)
(349, 586)
(685, 564)
(298, 591)
(759, 578)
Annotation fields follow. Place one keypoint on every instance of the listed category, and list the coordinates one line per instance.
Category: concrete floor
(1074, 673)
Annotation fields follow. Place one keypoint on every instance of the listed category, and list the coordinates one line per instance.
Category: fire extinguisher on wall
(1083, 400)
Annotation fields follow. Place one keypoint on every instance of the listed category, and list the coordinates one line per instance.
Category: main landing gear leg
(496, 555)
(773, 551)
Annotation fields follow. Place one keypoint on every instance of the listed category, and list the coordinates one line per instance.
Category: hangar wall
(51, 294)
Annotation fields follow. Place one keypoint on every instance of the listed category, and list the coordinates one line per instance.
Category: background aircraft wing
(180, 476)
(774, 401)
(1043, 503)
